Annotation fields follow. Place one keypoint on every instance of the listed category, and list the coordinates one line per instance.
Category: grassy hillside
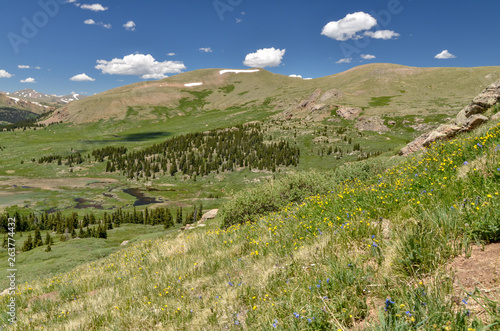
(375, 253)
(413, 90)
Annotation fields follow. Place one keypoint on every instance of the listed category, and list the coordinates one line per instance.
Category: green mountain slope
(14, 110)
(408, 91)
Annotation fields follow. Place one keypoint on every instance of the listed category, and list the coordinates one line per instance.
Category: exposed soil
(481, 270)
(480, 276)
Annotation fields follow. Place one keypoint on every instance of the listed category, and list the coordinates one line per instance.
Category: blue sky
(61, 46)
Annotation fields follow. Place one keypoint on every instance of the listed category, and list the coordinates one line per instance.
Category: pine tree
(48, 239)
(38, 238)
(48, 249)
(28, 244)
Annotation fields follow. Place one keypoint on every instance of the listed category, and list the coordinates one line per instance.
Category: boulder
(443, 132)
(319, 107)
(473, 122)
(349, 113)
(371, 123)
(209, 215)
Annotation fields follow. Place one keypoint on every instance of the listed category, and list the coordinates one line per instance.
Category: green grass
(381, 101)
(36, 264)
(329, 262)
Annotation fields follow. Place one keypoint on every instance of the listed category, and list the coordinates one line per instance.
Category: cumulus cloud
(348, 27)
(82, 78)
(206, 49)
(130, 26)
(345, 60)
(382, 34)
(28, 80)
(444, 55)
(367, 56)
(94, 7)
(5, 74)
(92, 22)
(141, 65)
(352, 26)
(266, 57)
(295, 76)
(21, 66)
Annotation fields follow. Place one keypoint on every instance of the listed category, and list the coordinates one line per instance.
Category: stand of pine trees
(72, 226)
(194, 154)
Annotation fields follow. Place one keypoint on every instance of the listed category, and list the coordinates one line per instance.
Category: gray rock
(349, 113)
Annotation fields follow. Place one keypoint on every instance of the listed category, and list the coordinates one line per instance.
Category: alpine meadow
(205, 182)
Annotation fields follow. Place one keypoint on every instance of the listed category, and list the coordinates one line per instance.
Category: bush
(248, 205)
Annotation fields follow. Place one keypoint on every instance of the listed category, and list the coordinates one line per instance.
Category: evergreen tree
(38, 238)
(28, 244)
(48, 249)
(48, 239)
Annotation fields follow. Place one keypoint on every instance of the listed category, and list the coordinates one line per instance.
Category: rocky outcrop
(467, 119)
(330, 94)
(349, 113)
(371, 123)
(209, 215)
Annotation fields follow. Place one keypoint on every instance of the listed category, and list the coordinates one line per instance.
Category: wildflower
(328, 280)
(237, 322)
(465, 302)
(230, 284)
(296, 315)
(388, 304)
(309, 320)
(374, 244)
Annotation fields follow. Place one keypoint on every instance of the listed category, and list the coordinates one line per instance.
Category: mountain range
(373, 89)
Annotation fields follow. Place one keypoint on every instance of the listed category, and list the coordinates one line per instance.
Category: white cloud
(206, 49)
(82, 78)
(444, 55)
(345, 60)
(382, 34)
(28, 80)
(171, 54)
(368, 56)
(266, 57)
(5, 74)
(141, 65)
(239, 20)
(94, 7)
(23, 66)
(348, 27)
(295, 76)
(92, 22)
(130, 26)
(38, 68)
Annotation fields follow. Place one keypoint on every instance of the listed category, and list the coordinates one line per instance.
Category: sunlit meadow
(368, 254)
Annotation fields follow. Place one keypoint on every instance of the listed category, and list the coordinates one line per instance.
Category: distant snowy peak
(32, 95)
